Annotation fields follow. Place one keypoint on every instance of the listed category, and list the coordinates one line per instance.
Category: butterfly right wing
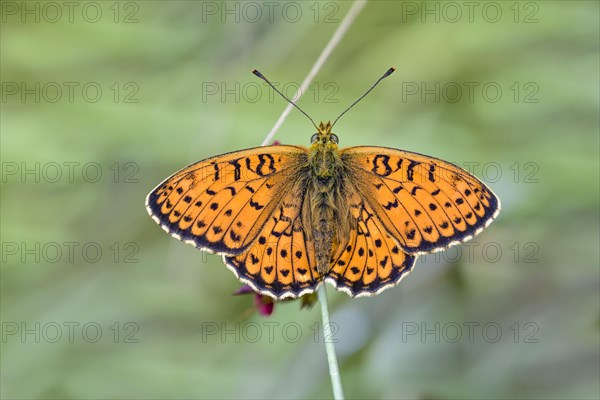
(427, 204)
(221, 203)
(371, 260)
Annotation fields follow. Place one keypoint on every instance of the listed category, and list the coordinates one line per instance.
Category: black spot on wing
(381, 165)
(383, 261)
(414, 190)
(216, 169)
(266, 166)
(391, 205)
(256, 205)
(430, 175)
(236, 169)
(234, 236)
(411, 170)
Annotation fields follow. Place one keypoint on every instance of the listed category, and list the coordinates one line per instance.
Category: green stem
(334, 371)
(339, 33)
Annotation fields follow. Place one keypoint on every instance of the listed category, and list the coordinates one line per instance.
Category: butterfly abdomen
(329, 215)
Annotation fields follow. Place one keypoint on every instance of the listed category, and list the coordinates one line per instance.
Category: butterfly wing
(425, 203)
(221, 203)
(280, 263)
(371, 261)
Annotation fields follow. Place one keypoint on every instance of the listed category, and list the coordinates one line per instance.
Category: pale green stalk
(348, 20)
(334, 371)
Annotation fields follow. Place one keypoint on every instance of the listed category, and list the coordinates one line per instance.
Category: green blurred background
(103, 100)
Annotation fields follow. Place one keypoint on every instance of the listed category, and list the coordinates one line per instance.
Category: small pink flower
(263, 304)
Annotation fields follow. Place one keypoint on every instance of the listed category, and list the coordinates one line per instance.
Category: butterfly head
(324, 137)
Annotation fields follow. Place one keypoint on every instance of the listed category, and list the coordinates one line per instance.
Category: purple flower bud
(263, 304)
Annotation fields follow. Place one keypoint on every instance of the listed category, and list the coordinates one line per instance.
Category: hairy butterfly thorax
(324, 155)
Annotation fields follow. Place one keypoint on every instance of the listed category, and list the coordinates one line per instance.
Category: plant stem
(334, 371)
(339, 33)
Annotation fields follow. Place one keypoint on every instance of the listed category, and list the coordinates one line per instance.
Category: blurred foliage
(186, 64)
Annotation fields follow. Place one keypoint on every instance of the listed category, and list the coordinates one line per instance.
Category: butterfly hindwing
(280, 262)
(221, 203)
(426, 203)
(371, 261)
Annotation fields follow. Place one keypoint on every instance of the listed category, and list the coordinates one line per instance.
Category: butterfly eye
(314, 138)
(334, 138)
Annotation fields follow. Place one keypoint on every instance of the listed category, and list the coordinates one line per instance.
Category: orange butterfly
(287, 218)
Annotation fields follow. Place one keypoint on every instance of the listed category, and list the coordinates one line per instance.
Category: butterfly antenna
(387, 73)
(261, 76)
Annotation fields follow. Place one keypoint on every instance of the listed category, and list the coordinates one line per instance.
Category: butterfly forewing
(221, 203)
(426, 203)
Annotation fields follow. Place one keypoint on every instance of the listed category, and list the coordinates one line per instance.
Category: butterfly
(288, 218)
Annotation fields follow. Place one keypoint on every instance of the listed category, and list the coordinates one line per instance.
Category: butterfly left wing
(280, 263)
(425, 203)
(221, 203)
